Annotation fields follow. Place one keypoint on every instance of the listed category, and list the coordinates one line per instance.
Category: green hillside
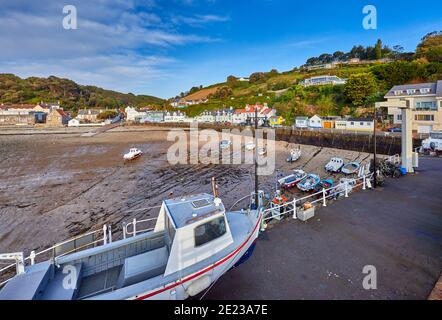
(367, 82)
(72, 96)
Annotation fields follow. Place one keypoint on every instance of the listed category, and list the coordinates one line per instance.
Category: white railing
(127, 231)
(341, 190)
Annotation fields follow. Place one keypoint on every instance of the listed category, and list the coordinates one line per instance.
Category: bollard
(104, 234)
(324, 198)
(294, 209)
(363, 185)
(32, 256)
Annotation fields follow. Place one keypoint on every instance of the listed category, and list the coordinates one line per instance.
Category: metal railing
(342, 189)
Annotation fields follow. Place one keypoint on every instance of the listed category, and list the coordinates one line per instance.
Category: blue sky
(164, 47)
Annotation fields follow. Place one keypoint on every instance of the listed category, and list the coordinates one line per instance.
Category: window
(361, 123)
(426, 105)
(411, 91)
(210, 231)
(399, 117)
(398, 92)
(424, 117)
(425, 90)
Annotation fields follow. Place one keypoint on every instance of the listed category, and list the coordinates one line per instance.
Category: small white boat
(262, 151)
(350, 168)
(225, 144)
(250, 146)
(334, 165)
(133, 153)
(295, 154)
(292, 180)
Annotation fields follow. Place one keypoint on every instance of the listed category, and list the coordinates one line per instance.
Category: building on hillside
(176, 116)
(322, 80)
(301, 122)
(276, 121)
(341, 124)
(88, 115)
(248, 113)
(14, 118)
(206, 117)
(320, 66)
(224, 116)
(329, 122)
(425, 101)
(57, 117)
(315, 122)
(153, 117)
(184, 103)
(243, 79)
(360, 124)
(74, 122)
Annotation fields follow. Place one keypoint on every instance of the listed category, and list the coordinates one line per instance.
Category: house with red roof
(248, 113)
(57, 118)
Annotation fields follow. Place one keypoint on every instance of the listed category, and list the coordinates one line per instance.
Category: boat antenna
(256, 157)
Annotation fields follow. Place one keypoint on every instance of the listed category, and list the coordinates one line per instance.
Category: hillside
(72, 96)
(368, 81)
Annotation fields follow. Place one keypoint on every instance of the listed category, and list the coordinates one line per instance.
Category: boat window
(210, 231)
(170, 229)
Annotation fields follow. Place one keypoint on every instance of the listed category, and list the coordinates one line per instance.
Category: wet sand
(56, 186)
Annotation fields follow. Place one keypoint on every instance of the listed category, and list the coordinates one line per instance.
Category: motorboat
(262, 151)
(309, 183)
(293, 179)
(295, 154)
(324, 184)
(225, 144)
(351, 167)
(133, 154)
(194, 242)
(250, 146)
(334, 165)
(433, 144)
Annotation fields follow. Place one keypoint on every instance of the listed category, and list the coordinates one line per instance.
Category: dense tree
(257, 77)
(359, 87)
(431, 47)
(378, 49)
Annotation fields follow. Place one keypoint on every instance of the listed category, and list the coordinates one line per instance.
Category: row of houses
(317, 122)
(229, 115)
(28, 114)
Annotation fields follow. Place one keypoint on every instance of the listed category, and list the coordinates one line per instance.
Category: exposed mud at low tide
(56, 186)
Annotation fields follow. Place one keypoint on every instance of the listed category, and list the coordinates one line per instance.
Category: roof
(439, 89)
(62, 113)
(431, 85)
(360, 119)
(187, 210)
(301, 118)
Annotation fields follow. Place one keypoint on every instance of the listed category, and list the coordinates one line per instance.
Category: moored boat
(292, 180)
(351, 167)
(133, 154)
(294, 155)
(324, 184)
(334, 165)
(309, 183)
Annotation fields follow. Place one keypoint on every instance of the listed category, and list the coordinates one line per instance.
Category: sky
(164, 47)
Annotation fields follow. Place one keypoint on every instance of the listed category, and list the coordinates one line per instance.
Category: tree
(431, 47)
(359, 87)
(108, 114)
(378, 49)
(257, 77)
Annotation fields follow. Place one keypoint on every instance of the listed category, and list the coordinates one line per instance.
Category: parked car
(395, 129)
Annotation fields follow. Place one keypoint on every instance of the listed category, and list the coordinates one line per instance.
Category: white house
(206, 116)
(360, 124)
(315, 122)
(175, 117)
(74, 122)
(133, 115)
(264, 112)
(425, 100)
(341, 124)
(225, 115)
(322, 80)
(301, 122)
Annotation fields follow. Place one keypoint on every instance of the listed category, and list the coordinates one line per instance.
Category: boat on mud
(250, 146)
(309, 183)
(293, 179)
(351, 167)
(324, 184)
(225, 144)
(194, 242)
(334, 165)
(261, 151)
(133, 154)
(294, 155)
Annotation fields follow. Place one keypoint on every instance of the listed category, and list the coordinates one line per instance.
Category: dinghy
(350, 168)
(250, 146)
(309, 183)
(324, 184)
(133, 154)
(334, 165)
(292, 180)
(295, 154)
(225, 144)
(262, 151)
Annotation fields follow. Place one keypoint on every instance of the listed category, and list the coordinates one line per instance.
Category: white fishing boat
(351, 167)
(133, 154)
(262, 151)
(250, 146)
(433, 143)
(225, 144)
(293, 179)
(194, 242)
(295, 154)
(334, 165)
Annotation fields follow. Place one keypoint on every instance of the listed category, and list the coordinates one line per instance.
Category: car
(395, 129)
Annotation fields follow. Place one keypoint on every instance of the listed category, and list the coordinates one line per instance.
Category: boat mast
(256, 158)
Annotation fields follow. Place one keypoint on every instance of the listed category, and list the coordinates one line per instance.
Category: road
(397, 229)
